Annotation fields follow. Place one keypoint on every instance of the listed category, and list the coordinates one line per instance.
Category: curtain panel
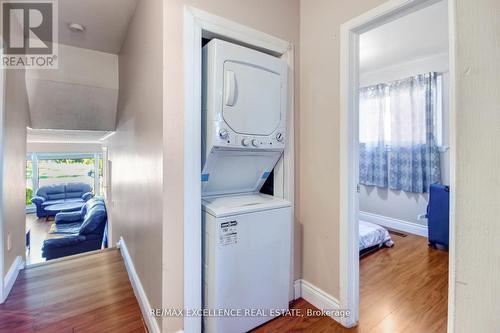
(398, 146)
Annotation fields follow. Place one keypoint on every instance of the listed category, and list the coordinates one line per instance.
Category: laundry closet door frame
(199, 24)
(349, 140)
(3, 95)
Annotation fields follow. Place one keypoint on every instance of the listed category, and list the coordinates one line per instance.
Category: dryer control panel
(225, 137)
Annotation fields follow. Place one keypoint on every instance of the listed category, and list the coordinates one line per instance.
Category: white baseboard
(389, 222)
(139, 292)
(11, 276)
(319, 298)
(296, 290)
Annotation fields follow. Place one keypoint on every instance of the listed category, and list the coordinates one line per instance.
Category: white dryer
(246, 260)
(244, 106)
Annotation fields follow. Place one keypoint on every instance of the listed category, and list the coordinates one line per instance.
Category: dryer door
(251, 99)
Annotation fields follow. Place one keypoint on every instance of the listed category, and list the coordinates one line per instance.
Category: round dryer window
(251, 99)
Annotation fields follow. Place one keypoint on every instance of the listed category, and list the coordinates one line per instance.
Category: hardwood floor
(39, 229)
(90, 293)
(402, 289)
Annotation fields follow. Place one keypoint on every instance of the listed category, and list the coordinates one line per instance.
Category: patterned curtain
(372, 150)
(410, 160)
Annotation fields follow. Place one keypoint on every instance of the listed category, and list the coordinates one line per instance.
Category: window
(29, 181)
(44, 169)
(382, 112)
(400, 130)
(66, 170)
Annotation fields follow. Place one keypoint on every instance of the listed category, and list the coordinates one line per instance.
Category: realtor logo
(29, 33)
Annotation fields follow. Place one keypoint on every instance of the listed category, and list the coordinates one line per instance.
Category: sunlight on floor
(39, 229)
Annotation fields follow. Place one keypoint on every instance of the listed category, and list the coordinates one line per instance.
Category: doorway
(199, 25)
(351, 187)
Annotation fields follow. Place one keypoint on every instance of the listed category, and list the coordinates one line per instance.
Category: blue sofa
(77, 232)
(58, 194)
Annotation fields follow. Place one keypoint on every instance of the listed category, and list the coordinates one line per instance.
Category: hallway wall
(135, 150)
(318, 163)
(14, 165)
(476, 177)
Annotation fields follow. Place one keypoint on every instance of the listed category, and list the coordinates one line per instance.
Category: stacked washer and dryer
(246, 234)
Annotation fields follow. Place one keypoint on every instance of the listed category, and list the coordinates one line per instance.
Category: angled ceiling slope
(83, 93)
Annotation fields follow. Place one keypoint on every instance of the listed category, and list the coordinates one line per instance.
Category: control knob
(245, 142)
(255, 143)
(223, 133)
(279, 137)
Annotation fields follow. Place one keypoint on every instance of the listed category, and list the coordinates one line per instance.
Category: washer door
(232, 171)
(251, 99)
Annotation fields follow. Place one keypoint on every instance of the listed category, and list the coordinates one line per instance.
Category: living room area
(65, 193)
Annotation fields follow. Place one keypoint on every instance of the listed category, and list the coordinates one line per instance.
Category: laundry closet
(246, 233)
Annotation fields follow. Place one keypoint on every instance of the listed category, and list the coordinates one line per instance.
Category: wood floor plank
(86, 294)
(402, 289)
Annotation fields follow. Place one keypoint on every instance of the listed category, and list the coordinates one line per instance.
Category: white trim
(349, 198)
(389, 222)
(11, 276)
(139, 292)
(319, 298)
(213, 25)
(452, 33)
(296, 289)
(3, 87)
(198, 24)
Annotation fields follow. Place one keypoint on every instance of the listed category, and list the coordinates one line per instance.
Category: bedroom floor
(402, 289)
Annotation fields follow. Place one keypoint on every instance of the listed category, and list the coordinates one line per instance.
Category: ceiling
(421, 34)
(105, 21)
(44, 135)
(82, 93)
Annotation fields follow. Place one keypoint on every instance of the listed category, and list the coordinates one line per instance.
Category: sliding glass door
(44, 169)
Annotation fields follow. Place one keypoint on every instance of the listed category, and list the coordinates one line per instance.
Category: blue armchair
(58, 194)
(77, 232)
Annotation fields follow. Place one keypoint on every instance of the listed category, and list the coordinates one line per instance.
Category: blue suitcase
(438, 215)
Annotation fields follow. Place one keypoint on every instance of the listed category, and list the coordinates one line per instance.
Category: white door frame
(349, 137)
(3, 87)
(197, 25)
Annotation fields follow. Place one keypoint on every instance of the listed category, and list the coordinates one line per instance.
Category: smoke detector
(76, 27)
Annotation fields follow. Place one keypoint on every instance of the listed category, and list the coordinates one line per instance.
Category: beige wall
(136, 149)
(478, 159)
(279, 18)
(318, 127)
(14, 175)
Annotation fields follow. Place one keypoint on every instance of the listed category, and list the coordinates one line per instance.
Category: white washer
(246, 260)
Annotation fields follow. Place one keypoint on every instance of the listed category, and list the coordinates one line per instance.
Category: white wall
(14, 169)
(135, 150)
(477, 251)
(80, 95)
(400, 205)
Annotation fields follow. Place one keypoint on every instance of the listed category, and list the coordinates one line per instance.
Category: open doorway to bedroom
(404, 171)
